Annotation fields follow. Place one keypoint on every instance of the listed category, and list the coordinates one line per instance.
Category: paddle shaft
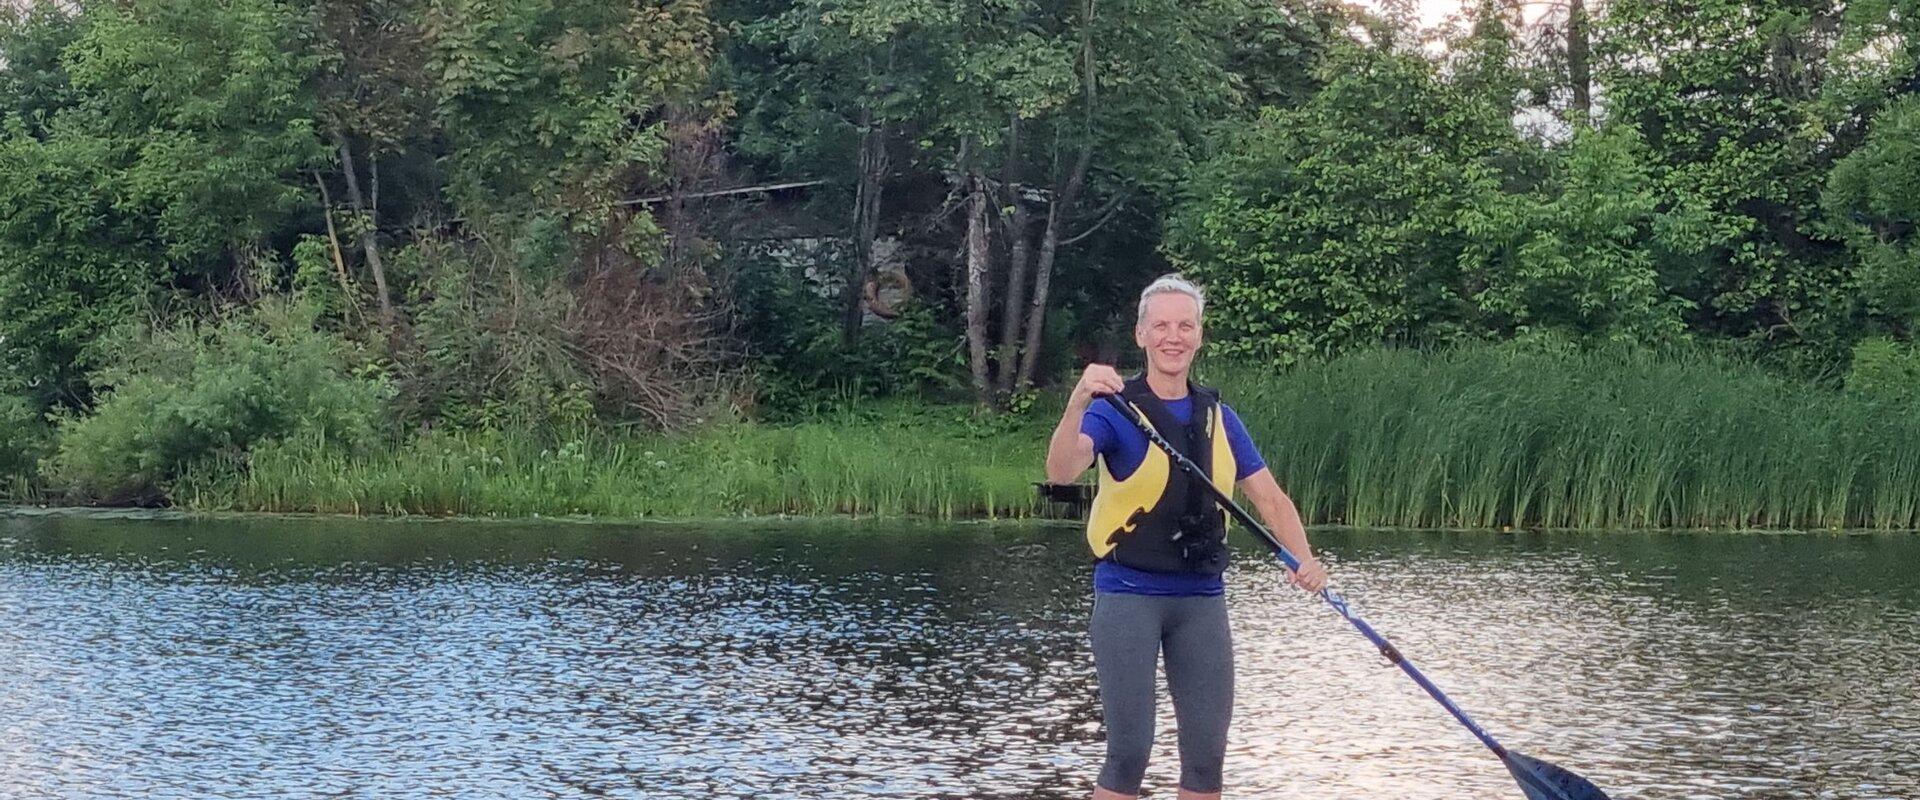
(1333, 599)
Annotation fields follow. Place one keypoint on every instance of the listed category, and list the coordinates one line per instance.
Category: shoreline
(801, 520)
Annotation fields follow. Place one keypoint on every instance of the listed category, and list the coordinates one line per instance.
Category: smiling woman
(1161, 543)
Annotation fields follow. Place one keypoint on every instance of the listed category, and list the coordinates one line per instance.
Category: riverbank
(884, 459)
(1479, 438)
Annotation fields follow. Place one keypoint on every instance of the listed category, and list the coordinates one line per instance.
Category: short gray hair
(1171, 283)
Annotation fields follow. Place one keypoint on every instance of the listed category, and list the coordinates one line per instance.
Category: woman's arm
(1070, 452)
(1283, 518)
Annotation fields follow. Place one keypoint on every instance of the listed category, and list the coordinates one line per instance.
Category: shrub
(194, 392)
(791, 325)
(1885, 369)
(23, 440)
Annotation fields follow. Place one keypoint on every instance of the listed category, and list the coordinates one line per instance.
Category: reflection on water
(292, 658)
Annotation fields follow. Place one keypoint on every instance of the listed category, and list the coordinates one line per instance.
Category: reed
(1478, 437)
(920, 464)
(1496, 436)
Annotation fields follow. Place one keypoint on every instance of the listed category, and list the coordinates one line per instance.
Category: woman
(1161, 543)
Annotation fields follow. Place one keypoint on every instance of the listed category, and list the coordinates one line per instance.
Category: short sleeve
(1245, 455)
(1099, 428)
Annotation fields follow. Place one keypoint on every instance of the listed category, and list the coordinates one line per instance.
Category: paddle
(1539, 779)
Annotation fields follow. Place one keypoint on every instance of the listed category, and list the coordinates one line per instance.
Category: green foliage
(23, 442)
(804, 364)
(1728, 96)
(146, 145)
(204, 103)
(850, 464)
(492, 349)
(72, 266)
(807, 71)
(186, 396)
(34, 82)
(1750, 181)
(556, 104)
(1578, 255)
(1873, 197)
(1337, 224)
(1886, 370)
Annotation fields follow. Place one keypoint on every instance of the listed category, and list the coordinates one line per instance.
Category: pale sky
(1433, 12)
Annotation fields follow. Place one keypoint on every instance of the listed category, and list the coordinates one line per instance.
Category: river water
(148, 656)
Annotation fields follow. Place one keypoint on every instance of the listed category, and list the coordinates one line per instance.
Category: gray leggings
(1129, 633)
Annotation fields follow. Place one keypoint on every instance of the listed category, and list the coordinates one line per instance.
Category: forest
(1597, 263)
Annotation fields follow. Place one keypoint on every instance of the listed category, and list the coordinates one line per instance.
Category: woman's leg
(1199, 654)
(1126, 644)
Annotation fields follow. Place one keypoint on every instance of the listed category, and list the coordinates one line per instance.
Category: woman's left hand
(1311, 576)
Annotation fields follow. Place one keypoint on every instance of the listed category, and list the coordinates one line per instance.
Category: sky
(1433, 12)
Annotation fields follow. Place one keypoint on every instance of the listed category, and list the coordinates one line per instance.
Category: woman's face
(1169, 332)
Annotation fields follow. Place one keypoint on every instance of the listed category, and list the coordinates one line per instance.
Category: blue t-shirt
(1124, 447)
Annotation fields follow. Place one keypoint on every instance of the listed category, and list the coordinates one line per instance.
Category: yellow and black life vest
(1155, 519)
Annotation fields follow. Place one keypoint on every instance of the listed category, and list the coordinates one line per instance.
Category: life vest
(1156, 519)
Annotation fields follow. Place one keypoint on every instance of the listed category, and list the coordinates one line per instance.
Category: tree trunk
(1020, 254)
(1580, 61)
(866, 221)
(333, 247)
(977, 265)
(1063, 199)
(365, 227)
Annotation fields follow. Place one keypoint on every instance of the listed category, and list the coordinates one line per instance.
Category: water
(282, 658)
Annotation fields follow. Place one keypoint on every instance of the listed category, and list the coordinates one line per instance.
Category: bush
(23, 440)
(489, 347)
(792, 327)
(1885, 369)
(201, 391)
(530, 330)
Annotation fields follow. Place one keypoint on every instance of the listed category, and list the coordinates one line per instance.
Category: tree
(157, 146)
(1577, 255)
(1337, 224)
(1874, 197)
(374, 104)
(1727, 97)
(832, 88)
(1107, 100)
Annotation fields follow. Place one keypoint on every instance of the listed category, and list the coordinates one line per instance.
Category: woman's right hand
(1096, 379)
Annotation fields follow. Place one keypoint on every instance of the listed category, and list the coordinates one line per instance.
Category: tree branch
(1106, 215)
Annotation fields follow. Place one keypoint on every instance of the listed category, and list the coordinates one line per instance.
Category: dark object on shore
(1066, 500)
(1538, 779)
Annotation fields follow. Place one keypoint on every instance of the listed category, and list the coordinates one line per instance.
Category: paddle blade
(1544, 781)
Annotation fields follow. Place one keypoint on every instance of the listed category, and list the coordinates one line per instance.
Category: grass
(891, 460)
(1482, 437)
(1493, 436)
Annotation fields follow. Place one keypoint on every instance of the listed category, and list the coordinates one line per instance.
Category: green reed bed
(1493, 436)
(1482, 437)
(922, 464)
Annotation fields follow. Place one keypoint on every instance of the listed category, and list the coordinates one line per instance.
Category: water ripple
(180, 658)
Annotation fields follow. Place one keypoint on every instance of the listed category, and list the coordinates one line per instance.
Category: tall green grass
(1494, 436)
(887, 464)
(1481, 437)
